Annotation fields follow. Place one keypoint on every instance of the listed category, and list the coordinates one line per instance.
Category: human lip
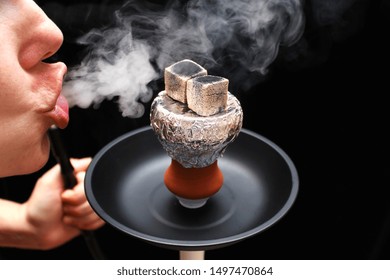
(60, 113)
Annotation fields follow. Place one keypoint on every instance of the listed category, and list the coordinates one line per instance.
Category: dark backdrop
(323, 102)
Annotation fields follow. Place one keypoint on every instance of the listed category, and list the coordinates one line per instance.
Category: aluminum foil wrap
(192, 140)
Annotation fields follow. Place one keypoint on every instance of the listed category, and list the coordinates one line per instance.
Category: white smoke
(220, 34)
(122, 71)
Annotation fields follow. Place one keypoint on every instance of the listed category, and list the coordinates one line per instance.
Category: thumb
(52, 179)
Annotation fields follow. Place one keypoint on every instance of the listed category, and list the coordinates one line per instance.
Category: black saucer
(124, 185)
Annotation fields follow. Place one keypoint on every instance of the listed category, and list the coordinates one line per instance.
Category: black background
(323, 102)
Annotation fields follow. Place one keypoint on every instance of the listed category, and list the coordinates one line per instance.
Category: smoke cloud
(236, 38)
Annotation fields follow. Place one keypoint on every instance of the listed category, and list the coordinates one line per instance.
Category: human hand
(77, 210)
(56, 215)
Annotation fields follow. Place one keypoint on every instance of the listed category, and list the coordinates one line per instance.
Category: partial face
(30, 100)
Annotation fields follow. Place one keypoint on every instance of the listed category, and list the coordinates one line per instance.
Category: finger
(76, 195)
(90, 222)
(80, 164)
(91, 226)
(81, 210)
(72, 197)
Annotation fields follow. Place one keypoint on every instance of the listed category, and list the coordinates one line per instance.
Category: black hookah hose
(70, 180)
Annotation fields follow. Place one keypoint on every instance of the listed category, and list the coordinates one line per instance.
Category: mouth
(60, 113)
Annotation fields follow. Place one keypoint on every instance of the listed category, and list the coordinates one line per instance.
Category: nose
(41, 39)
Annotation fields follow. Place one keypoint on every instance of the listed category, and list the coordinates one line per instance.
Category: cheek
(14, 90)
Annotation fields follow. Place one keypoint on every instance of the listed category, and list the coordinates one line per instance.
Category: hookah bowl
(194, 144)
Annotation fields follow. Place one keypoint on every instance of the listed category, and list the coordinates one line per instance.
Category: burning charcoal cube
(207, 95)
(177, 75)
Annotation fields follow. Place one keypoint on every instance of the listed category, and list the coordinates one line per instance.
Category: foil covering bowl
(194, 141)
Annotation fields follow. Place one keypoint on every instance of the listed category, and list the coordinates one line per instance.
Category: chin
(38, 158)
(33, 166)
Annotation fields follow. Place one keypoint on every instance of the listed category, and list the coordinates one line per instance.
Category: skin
(29, 88)
(30, 102)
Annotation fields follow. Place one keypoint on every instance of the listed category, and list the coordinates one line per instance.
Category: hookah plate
(124, 185)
